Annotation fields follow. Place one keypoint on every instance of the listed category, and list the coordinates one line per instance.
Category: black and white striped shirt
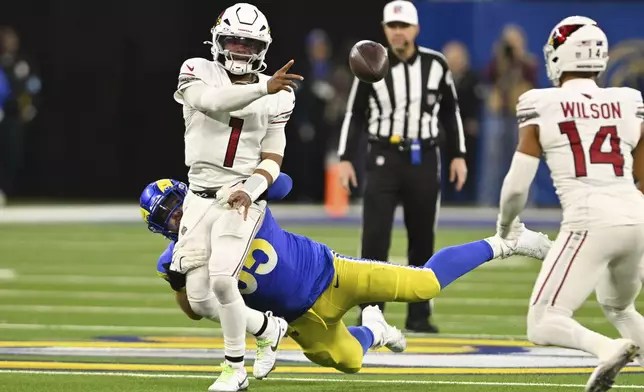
(409, 103)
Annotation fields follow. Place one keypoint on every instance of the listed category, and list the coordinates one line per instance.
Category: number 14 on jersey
(613, 157)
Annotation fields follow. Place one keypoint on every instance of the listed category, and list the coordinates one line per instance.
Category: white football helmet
(576, 44)
(240, 39)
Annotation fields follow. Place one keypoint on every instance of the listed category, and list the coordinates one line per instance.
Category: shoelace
(262, 344)
(227, 372)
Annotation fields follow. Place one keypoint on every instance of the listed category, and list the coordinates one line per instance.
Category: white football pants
(606, 260)
(204, 303)
(226, 236)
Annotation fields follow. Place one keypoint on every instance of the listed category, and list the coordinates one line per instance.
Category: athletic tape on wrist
(271, 167)
(255, 186)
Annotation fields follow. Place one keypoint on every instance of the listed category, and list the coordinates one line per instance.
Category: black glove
(176, 279)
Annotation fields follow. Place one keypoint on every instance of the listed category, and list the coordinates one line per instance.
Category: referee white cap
(400, 11)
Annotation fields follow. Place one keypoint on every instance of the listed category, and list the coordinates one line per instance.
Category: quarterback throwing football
(234, 118)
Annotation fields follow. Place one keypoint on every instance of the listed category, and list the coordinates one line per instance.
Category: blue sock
(453, 262)
(364, 336)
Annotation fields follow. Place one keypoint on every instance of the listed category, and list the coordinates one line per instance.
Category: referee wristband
(255, 185)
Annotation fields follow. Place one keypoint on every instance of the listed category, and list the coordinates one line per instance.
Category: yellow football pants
(322, 334)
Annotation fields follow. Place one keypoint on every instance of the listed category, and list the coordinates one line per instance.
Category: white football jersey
(588, 134)
(224, 147)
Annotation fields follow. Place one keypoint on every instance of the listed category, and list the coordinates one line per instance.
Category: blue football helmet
(161, 206)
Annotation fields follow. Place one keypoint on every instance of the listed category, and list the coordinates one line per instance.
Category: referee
(405, 116)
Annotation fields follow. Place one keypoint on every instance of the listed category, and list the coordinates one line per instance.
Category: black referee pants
(391, 180)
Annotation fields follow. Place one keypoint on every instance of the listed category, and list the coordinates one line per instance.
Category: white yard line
(7, 274)
(314, 380)
(112, 328)
(91, 280)
(17, 293)
(88, 309)
(209, 331)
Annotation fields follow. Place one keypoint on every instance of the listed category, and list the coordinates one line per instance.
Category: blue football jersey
(283, 272)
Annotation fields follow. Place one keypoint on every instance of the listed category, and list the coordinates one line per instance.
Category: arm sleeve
(193, 91)
(527, 113)
(639, 105)
(449, 116)
(280, 188)
(275, 140)
(176, 280)
(516, 186)
(354, 120)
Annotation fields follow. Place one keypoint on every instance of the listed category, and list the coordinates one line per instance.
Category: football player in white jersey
(591, 139)
(234, 118)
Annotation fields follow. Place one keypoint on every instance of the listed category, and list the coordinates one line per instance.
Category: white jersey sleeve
(193, 71)
(639, 104)
(283, 110)
(279, 114)
(528, 108)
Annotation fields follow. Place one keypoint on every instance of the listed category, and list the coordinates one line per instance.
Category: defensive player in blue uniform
(312, 287)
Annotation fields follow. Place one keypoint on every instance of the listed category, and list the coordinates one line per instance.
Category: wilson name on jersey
(222, 147)
(588, 135)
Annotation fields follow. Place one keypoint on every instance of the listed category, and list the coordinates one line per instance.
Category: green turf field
(81, 309)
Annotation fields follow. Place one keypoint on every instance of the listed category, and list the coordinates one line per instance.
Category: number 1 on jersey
(233, 142)
(614, 157)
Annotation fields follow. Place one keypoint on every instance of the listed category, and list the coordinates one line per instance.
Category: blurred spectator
(470, 98)
(320, 108)
(511, 72)
(18, 90)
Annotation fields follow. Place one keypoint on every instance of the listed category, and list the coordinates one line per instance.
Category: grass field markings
(511, 264)
(19, 293)
(419, 344)
(205, 331)
(7, 274)
(88, 309)
(312, 380)
(494, 302)
(491, 318)
(116, 295)
(188, 330)
(497, 287)
(171, 310)
(91, 279)
(288, 369)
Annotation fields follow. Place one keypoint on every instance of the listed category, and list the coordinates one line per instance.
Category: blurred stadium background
(87, 119)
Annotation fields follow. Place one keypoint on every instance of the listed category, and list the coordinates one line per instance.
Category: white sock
(378, 331)
(495, 243)
(559, 330)
(233, 325)
(378, 334)
(258, 324)
(628, 322)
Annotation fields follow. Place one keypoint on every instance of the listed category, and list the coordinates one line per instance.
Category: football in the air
(369, 61)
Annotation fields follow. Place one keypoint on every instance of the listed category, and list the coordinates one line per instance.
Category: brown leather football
(369, 61)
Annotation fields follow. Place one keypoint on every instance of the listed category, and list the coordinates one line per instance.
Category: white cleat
(384, 334)
(532, 244)
(231, 379)
(267, 347)
(604, 375)
(505, 247)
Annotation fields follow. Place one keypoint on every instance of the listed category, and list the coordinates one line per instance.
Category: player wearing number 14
(591, 139)
(234, 118)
